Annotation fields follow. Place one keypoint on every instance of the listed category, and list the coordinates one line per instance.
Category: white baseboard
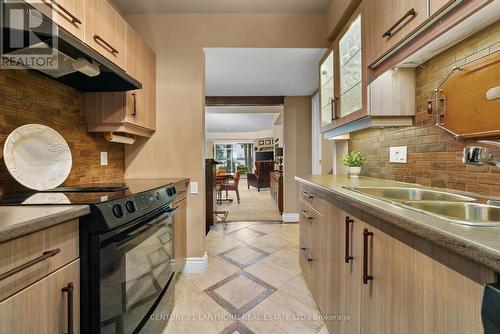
(290, 217)
(196, 264)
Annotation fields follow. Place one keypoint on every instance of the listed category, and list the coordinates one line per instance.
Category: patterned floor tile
(240, 292)
(245, 234)
(243, 256)
(269, 243)
(237, 327)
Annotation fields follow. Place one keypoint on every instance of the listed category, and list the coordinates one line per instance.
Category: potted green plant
(353, 161)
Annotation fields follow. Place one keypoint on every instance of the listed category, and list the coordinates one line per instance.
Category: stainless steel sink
(402, 194)
(473, 214)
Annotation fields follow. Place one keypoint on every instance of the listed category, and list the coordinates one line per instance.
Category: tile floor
(253, 284)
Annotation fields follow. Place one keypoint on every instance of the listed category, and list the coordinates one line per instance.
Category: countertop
(481, 244)
(16, 221)
(19, 220)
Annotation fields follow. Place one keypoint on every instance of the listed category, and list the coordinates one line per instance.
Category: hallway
(253, 284)
(254, 205)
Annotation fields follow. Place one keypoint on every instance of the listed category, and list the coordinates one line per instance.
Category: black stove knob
(117, 211)
(170, 192)
(130, 206)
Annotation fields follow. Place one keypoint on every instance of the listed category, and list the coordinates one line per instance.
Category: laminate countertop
(16, 221)
(481, 244)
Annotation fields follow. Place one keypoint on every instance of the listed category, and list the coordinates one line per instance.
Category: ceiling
(223, 6)
(243, 122)
(261, 71)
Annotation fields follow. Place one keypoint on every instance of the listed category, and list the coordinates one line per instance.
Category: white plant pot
(354, 171)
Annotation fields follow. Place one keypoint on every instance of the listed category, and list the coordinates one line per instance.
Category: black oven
(130, 272)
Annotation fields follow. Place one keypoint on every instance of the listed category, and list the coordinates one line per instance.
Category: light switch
(194, 187)
(104, 158)
(398, 154)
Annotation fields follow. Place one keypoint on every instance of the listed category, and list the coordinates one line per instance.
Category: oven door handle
(155, 223)
(171, 211)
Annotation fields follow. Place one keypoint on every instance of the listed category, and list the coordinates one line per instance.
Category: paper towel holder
(114, 138)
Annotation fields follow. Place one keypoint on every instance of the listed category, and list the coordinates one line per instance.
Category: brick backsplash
(434, 156)
(29, 97)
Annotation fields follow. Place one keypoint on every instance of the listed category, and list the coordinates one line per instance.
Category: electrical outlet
(398, 154)
(194, 187)
(104, 158)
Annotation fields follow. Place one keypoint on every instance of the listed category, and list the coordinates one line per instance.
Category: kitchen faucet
(477, 155)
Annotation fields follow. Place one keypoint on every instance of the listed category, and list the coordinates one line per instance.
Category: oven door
(134, 268)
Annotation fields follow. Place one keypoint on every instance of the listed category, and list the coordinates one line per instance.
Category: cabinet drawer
(29, 251)
(313, 199)
(43, 306)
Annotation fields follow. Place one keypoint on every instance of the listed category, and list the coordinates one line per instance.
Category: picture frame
(268, 142)
(261, 142)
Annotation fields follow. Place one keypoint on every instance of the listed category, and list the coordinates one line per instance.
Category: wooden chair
(232, 185)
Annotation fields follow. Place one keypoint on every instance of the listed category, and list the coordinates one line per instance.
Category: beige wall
(176, 149)
(297, 144)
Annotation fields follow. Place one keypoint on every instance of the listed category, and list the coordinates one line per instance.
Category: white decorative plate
(37, 156)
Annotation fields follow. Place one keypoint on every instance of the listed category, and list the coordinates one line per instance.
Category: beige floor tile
(287, 234)
(245, 234)
(243, 256)
(297, 289)
(220, 244)
(240, 291)
(267, 228)
(269, 243)
(267, 272)
(216, 271)
(229, 227)
(195, 312)
(281, 314)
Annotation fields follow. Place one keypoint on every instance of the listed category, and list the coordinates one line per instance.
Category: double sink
(457, 208)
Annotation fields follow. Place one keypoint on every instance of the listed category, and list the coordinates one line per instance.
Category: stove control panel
(123, 210)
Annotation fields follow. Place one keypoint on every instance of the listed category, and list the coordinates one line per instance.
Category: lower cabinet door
(42, 308)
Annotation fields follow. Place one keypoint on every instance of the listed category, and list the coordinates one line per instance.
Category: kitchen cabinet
(327, 85)
(106, 31)
(43, 307)
(132, 112)
(388, 22)
(179, 228)
(435, 6)
(387, 280)
(68, 14)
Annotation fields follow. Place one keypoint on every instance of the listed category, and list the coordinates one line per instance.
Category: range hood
(74, 63)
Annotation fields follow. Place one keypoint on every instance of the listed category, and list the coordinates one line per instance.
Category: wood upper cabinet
(327, 85)
(388, 22)
(68, 14)
(131, 112)
(435, 6)
(106, 31)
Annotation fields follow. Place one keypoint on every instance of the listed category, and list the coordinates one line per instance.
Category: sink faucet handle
(489, 142)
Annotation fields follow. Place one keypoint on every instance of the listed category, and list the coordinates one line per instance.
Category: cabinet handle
(348, 221)
(69, 288)
(333, 106)
(99, 39)
(44, 256)
(412, 12)
(366, 277)
(134, 97)
(54, 3)
(304, 214)
(305, 253)
(308, 195)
